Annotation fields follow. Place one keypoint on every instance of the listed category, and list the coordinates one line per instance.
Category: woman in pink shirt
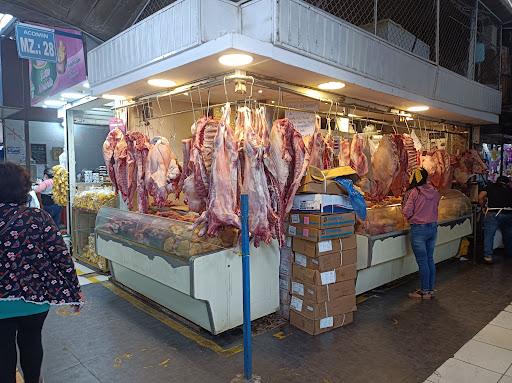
(420, 207)
(45, 189)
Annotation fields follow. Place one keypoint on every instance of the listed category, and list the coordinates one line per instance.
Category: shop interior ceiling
(264, 67)
(97, 112)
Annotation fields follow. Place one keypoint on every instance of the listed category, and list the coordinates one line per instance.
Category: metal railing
(463, 36)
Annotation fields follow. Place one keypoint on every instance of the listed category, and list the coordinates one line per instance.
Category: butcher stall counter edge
(387, 257)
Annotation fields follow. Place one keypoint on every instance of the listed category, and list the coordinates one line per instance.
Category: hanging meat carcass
(328, 162)
(223, 191)
(412, 154)
(288, 160)
(157, 165)
(138, 145)
(114, 148)
(358, 160)
(187, 170)
(469, 163)
(317, 146)
(401, 179)
(344, 155)
(386, 167)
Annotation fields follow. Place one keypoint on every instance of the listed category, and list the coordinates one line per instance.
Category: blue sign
(36, 43)
(13, 150)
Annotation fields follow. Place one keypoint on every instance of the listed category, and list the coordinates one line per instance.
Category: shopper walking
(45, 189)
(498, 214)
(36, 271)
(420, 207)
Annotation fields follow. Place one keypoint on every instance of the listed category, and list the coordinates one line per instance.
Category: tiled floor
(118, 338)
(487, 358)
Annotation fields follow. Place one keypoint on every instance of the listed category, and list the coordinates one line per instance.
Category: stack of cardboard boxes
(285, 275)
(323, 274)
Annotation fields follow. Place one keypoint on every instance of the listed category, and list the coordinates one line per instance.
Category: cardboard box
(327, 262)
(327, 187)
(323, 221)
(316, 235)
(315, 277)
(320, 294)
(314, 249)
(285, 282)
(324, 203)
(315, 327)
(323, 310)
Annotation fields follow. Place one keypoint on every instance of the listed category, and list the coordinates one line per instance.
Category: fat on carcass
(317, 146)
(157, 165)
(386, 167)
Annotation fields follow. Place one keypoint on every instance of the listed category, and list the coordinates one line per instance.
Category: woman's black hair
(49, 172)
(502, 181)
(423, 181)
(15, 183)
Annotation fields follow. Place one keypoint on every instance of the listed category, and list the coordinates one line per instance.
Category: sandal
(432, 293)
(420, 294)
(488, 260)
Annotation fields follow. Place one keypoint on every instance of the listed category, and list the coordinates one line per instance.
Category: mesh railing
(466, 46)
(151, 7)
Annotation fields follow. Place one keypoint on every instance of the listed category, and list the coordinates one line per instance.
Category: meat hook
(138, 118)
(226, 91)
(200, 100)
(173, 123)
(193, 110)
(208, 107)
(159, 129)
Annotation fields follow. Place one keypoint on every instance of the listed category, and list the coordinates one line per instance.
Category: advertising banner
(47, 78)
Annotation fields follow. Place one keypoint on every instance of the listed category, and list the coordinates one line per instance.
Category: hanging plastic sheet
(356, 198)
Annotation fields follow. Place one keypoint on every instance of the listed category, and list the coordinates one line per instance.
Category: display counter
(197, 278)
(384, 252)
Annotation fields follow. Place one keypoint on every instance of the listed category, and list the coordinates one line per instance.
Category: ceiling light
(44, 106)
(72, 95)
(235, 59)
(417, 108)
(331, 85)
(260, 91)
(55, 102)
(351, 115)
(4, 20)
(273, 102)
(113, 97)
(161, 83)
(86, 85)
(185, 94)
(313, 94)
(409, 118)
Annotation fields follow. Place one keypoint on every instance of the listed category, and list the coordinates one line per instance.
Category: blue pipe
(246, 289)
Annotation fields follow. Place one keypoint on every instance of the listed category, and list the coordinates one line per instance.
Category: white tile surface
(486, 356)
(82, 269)
(506, 379)
(457, 371)
(497, 336)
(508, 308)
(83, 281)
(504, 319)
(509, 372)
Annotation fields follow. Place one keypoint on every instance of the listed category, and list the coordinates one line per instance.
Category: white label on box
(296, 304)
(314, 261)
(326, 322)
(298, 288)
(324, 246)
(283, 284)
(300, 259)
(295, 218)
(310, 308)
(288, 241)
(309, 205)
(284, 270)
(328, 277)
(292, 230)
(311, 292)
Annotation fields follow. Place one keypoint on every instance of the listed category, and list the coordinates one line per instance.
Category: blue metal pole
(246, 289)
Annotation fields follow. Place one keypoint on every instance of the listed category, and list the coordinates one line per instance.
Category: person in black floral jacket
(36, 271)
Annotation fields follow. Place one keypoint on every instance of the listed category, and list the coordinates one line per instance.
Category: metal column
(246, 289)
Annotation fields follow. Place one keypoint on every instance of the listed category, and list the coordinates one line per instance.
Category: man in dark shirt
(498, 196)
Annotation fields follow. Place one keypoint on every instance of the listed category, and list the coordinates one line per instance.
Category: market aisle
(118, 338)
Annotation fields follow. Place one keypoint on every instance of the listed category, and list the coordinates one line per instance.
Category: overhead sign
(49, 78)
(36, 43)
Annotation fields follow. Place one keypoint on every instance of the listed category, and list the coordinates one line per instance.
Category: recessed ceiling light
(235, 59)
(161, 83)
(417, 108)
(72, 95)
(113, 97)
(86, 85)
(55, 102)
(260, 91)
(331, 85)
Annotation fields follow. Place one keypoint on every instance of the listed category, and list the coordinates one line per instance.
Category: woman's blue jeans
(54, 210)
(423, 241)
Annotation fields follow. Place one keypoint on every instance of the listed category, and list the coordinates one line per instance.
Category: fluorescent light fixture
(236, 59)
(44, 106)
(161, 83)
(417, 108)
(331, 85)
(351, 115)
(72, 95)
(4, 20)
(113, 97)
(55, 102)
(313, 94)
(260, 91)
(86, 85)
